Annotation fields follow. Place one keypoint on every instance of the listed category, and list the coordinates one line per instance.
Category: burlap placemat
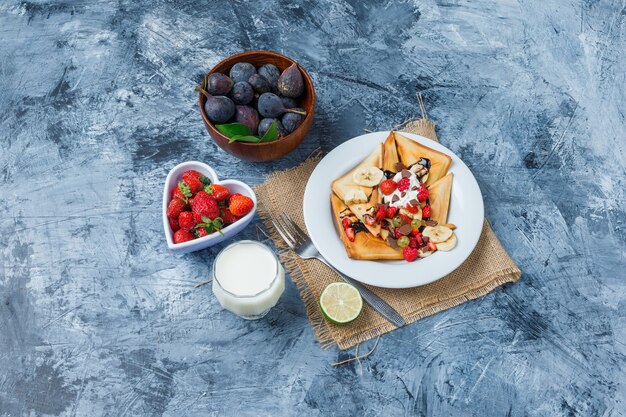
(488, 267)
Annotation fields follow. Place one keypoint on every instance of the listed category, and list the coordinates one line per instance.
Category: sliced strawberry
(369, 220)
(397, 233)
(388, 186)
(391, 211)
(432, 246)
(426, 212)
(345, 222)
(381, 213)
(411, 208)
(350, 233)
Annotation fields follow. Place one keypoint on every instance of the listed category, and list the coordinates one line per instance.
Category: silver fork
(302, 245)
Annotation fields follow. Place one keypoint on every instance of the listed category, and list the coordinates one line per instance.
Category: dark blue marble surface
(97, 104)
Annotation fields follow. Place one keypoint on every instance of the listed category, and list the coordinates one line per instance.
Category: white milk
(248, 279)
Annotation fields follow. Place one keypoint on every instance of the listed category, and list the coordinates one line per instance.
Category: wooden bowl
(258, 152)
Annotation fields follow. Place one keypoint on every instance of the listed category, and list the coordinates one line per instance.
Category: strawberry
(183, 235)
(413, 242)
(418, 238)
(369, 220)
(240, 205)
(186, 220)
(381, 213)
(388, 186)
(231, 196)
(411, 208)
(194, 185)
(345, 222)
(228, 217)
(404, 184)
(426, 211)
(177, 194)
(396, 233)
(405, 218)
(350, 233)
(422, 194)
(201, 232)
(210, 225)
(184, 189)
(192, 176)
(409, 253)
(432, 246)
(219, 192)
(175, 207)
(204, 205)
(391, 211)
(173, 224)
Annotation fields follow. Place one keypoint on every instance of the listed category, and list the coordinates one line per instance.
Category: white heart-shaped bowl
(229, 231)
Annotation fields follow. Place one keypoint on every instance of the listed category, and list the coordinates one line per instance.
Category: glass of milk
(248, 279)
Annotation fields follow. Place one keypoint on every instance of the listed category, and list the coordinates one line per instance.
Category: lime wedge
(341, 303)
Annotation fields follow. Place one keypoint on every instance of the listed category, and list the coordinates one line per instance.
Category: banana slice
(437, 234)
(424, 254)
(355, 196)
(367, 176)
(447, 245)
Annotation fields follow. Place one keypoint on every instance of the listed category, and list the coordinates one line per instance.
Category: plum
(248, 116)
(270, 105)
(242, 93)
(242, 71)
(290, 82)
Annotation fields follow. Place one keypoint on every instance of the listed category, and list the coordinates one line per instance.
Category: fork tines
(291, 233)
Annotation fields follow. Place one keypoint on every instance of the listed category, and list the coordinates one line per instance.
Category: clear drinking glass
(248, 279)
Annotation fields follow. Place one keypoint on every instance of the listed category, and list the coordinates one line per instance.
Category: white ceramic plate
(229, 231)
(466, 212)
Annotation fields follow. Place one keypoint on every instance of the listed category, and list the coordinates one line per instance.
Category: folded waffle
(439, 195)
(411, 151)
(365, 246)
(345, 184)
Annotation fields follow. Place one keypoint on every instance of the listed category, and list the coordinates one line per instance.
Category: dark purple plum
(271, 74)
(290, 82)
(289, 102)
(219, 109)
(218, 84)
(265, 124)
(242, 93)
(291, 121)
(242, 71)
(248, 116)
(259, 83)
(270, 105)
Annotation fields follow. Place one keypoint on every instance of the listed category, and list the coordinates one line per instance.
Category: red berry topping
(409, 253)
(175, 207)
(418, 238)
(183, 236)
(391, 211)
(350, 233)
(388, 186)
(219, 192)
(187, 221)
(396, 233)
(404, 184)
(381, 213)
(432, 246)
(345, 222)
(422, 194)
(205, 206)
(413, 242)
(411, 208)
(229, 217)
(426, 211)
(173, 224)
(369, 220)
(240, 205)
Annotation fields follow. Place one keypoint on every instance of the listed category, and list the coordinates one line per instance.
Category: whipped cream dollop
(403, 197)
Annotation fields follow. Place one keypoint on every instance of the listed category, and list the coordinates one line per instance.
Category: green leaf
(218, 223)
(271, 134)
(205, 180)
(246, 138)
(206, 219)
(234, 129)
(184, 189)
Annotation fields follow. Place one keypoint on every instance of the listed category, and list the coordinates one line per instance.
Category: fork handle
(370, 298)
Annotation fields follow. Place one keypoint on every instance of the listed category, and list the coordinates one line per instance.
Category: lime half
(341, 303)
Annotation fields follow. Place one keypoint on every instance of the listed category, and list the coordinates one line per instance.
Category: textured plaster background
(97, 104)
